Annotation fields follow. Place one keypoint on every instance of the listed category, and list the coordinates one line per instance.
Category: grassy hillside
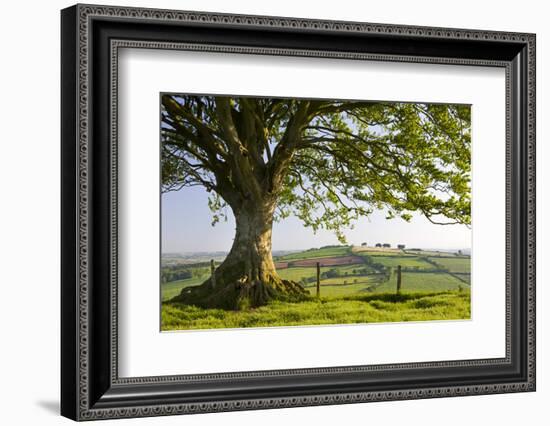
(459, 265)
(172, 289)
(414, 282)
(434, 285)
(317, 253)
(404, 261)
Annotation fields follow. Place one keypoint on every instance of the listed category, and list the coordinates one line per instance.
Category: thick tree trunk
(247, 277)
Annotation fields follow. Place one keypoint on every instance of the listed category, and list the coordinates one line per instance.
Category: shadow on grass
(395, 298)
(367, 298)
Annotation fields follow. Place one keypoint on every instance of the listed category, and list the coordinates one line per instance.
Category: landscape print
(293, 212)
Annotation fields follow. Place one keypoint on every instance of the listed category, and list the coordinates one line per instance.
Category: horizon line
(320, 247)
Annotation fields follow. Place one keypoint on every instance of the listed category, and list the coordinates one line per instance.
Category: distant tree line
(327, 247)
(183, 272)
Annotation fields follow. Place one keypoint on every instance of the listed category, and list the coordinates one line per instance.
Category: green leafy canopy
(326, 162)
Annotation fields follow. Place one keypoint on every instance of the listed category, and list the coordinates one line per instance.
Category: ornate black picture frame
(91, 388)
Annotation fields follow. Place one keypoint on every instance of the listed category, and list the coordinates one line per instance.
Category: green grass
(340, 290)
(430, 253)
(459, 265)
(294, 274)
(381, 253)
(173, 288)
(316, 253)
(350, 268)
(404, 261)
(364, 279)
(360, 308)
(410, 282)
(418, 281)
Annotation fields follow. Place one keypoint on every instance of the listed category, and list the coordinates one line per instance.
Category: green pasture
(430, 253)
(348, 298)
(459, 265)
(380, 253)
(359, 308)
(295, 274)
(421, 281)
(332, 291)
(359, 279)
(351, 281)
(172, 289)
(317, 253)
(404, 261)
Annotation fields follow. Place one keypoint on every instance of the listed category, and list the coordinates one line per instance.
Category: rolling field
(459, 265)
(358, 284)
(414, 282)
(323, 261)
(431, 253)
(379, 251)
(404, 261)
(331, 291)
(173, 288)
(316, 253)
(295, 274)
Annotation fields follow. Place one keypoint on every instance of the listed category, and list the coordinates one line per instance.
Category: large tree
(327, 162)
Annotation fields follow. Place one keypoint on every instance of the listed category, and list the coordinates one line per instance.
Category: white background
(146, 352)
(29, 213)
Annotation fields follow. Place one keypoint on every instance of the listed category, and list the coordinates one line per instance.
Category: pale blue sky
(186, 227)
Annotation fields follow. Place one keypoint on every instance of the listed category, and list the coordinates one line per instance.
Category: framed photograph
(263, 212)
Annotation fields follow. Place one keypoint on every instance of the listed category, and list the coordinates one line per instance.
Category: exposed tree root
(241, 293)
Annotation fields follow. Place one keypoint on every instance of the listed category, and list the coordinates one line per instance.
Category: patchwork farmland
(356, 285)
(351, 270)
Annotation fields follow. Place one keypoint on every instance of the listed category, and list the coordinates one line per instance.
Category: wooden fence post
(318, 279)
(398, 279)
(212, 273)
